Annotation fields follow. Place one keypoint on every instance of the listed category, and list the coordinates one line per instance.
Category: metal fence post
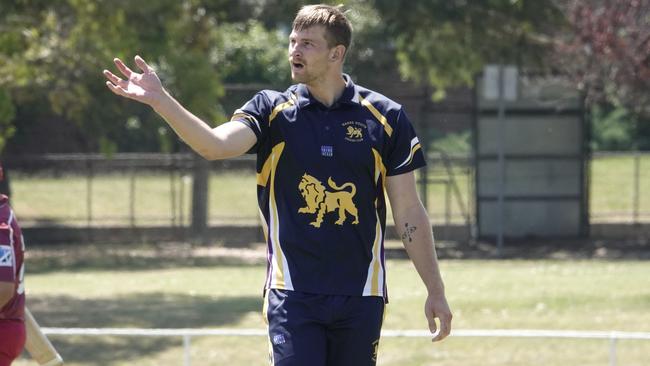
(424, 185)
(636, 199)
(132, 197)
(89, 193)
(612, 350)
(447, 203)
(172, 194)
(187, 359)
(200, 198)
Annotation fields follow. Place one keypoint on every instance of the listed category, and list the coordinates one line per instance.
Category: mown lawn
(174, 288)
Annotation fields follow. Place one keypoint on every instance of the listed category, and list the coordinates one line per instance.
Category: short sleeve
(404, 152)
(7, 252)
(255, 114)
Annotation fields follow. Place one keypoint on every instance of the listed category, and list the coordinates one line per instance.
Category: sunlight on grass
(539, 294)
(613, 188)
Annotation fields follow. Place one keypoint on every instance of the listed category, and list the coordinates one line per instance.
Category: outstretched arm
(413, 226)
(225, 141)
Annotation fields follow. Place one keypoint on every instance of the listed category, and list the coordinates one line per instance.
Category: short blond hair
(338, 30)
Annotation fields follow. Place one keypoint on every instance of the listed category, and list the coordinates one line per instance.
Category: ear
(337, 53)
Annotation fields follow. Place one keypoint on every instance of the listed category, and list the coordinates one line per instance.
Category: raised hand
(145, 87)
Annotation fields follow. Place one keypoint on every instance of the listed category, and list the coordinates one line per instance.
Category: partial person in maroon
(12, 288)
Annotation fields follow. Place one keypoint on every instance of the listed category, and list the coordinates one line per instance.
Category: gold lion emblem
(354, 132)
(320, 201)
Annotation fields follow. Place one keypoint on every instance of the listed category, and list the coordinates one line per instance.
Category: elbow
(210, 154)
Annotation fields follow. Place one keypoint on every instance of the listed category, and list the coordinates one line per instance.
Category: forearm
(7, 290)
(191, 129)
(415, 231)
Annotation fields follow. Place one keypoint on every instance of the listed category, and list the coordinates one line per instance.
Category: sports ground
(185, 286)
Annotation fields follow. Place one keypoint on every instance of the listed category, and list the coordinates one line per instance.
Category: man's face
(309, 54)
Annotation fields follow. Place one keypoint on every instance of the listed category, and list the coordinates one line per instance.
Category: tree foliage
(446, 43)
(607, 51)
(52, 53)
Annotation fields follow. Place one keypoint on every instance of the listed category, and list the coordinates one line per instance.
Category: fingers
(114, 79)
(445, 328)
(116, 89)
(123, 68)
(433, 326)
(115, 84)
(139, 61)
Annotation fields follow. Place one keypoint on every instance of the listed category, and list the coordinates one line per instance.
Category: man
(12, 289)
(326, 151)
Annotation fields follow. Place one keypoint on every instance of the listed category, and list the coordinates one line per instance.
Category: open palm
(145, 87)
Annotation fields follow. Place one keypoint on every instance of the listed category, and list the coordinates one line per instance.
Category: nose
(294, 50)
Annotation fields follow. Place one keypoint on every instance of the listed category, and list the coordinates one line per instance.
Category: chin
(298, 78)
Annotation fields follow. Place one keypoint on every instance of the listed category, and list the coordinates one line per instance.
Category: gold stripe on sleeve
(282, 106)
(380, 117)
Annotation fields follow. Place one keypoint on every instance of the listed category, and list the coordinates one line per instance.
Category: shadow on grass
(140, 257)
(157, 310)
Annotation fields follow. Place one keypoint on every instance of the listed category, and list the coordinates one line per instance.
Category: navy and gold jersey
(320, 185)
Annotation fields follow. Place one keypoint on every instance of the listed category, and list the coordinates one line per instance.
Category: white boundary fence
(187, 334)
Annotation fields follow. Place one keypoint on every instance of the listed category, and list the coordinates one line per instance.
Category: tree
(52, 54)
(446, 43)
(607, 52)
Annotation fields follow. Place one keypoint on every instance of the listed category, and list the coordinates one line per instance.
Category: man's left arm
(412, 223)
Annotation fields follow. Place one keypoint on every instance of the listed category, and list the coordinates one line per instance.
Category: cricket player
(327, 150)
(12, 289)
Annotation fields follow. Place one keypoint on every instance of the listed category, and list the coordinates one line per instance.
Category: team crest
(354, 131)
(319, 201)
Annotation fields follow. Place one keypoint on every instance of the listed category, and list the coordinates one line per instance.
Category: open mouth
(297, 65)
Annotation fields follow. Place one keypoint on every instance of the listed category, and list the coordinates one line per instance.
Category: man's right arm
(225, 141)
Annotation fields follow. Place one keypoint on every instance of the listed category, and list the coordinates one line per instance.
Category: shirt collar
(349, 96)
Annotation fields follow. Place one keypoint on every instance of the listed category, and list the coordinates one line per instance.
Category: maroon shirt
(12, 251)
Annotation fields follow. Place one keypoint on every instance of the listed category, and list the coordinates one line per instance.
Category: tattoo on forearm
(408, 230)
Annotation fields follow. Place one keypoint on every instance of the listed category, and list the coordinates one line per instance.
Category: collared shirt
(321, 175)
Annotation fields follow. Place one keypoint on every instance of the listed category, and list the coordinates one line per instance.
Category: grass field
(612, 187)
(185, 287)
(232, 197)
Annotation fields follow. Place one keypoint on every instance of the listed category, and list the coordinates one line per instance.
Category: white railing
(187, 334)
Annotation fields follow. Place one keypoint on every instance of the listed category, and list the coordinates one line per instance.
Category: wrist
(162, 102)
(436, 288)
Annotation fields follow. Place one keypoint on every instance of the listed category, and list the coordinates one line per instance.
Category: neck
(327, 90)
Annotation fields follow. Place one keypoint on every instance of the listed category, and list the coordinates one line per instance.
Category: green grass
(157, 200)
(612, 187)
(178, 290)
(232, 196)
